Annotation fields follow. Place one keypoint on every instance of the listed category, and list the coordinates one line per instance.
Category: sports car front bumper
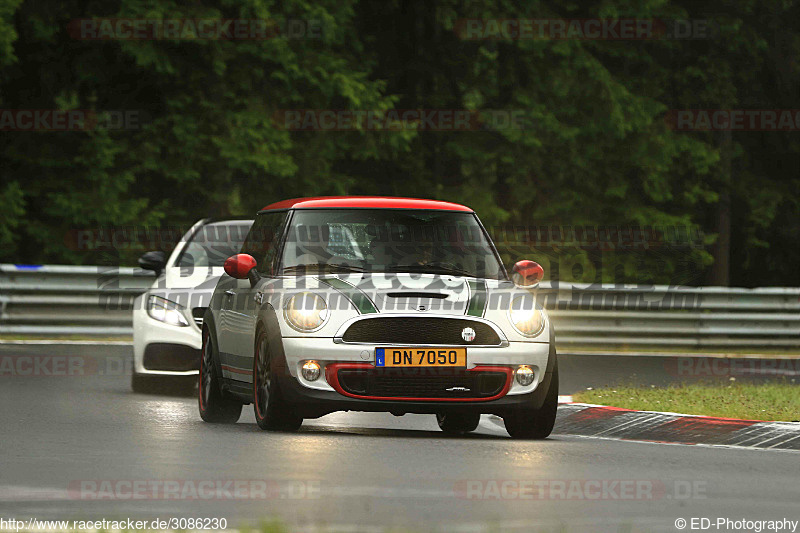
(313, 403)
(163, 349)
(325, 395)
(323, 350)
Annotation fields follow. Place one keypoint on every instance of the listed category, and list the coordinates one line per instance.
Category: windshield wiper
(323, 267)
(433, 268)
(430, 268)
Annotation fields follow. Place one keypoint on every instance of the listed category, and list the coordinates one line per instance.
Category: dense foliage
(595, 151)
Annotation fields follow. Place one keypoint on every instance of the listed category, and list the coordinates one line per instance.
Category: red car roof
(375, 202)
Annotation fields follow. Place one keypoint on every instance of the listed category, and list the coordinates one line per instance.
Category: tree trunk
(720, 270)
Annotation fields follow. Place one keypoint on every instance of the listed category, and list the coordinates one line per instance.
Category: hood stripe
(358, 297)
(477, 299)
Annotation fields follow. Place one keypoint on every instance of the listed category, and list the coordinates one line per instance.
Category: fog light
(311, 371)
(524, 375)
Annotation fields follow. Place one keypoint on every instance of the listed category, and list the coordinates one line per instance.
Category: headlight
(165, 310)
(306, 312)
(525, 316)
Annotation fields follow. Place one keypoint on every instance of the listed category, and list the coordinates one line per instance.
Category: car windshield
(212, 244)
(389, 240)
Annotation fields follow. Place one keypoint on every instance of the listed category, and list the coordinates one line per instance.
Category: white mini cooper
(377, 304)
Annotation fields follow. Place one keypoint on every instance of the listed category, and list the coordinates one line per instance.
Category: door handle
(230, 292)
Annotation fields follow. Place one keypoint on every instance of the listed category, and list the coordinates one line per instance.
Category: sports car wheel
(272, 412)
(535, 423)
(458, 423)
(212, 402)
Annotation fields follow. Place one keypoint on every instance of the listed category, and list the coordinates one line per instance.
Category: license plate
(421, 357)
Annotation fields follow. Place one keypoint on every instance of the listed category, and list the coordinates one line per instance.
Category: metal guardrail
(68, 300)
(678, 317)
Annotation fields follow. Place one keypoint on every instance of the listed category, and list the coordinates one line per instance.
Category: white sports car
(377, 304)
(167, 318)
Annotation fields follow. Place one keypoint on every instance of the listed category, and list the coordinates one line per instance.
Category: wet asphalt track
(362, 471)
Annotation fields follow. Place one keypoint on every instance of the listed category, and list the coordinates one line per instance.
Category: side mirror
(239, 266)
(155, 261)
(527, 273)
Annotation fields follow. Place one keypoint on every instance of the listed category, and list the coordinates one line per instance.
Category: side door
(239, 308)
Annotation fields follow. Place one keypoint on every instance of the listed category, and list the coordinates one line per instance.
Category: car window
(390, 240)
(263, 240)
(213, 243)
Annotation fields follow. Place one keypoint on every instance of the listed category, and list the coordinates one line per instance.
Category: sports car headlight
(525, 316)
(306, 312)
(167, 311)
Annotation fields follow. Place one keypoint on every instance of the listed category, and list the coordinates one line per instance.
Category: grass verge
(14, 337)
(686, 351)
(772, 401)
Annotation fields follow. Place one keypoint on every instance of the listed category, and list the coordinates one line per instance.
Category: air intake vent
(421, 331)
(417, 383)
(197, 314)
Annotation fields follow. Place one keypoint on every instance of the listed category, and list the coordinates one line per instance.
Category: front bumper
(297, 350)
(313, 403)
(326, 395)
(163, 349)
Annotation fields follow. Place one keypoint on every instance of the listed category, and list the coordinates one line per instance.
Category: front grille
(421, 383)
(172, 357)
(420, 330)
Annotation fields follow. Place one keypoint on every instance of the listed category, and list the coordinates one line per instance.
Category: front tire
(272, 412)
(458, 423)
(214, 405)
(535, 423)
